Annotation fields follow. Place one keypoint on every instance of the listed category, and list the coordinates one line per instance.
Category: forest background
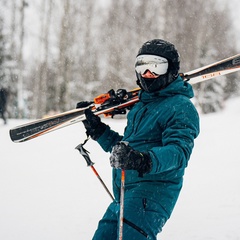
(54, 53)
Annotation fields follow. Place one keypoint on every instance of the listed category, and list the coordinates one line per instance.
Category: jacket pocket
(139, 120)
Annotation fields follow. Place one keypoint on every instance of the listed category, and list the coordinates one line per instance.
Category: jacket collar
(177, 87)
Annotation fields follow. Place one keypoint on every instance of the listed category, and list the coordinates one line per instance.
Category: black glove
(95, 128)
(125, 157)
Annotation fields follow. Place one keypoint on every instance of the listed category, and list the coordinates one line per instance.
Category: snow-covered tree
(215, 45)
(8, 67)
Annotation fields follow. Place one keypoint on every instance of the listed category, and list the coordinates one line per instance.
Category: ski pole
(121, 218)
(85, 154)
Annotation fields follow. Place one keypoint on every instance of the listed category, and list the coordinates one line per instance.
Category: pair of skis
(113, 103)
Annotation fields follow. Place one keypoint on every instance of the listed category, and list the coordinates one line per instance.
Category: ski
(113, 103)
(42, 126)
(220, 68)
(108, 104)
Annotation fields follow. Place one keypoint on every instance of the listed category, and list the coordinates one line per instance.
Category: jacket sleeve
(108, 139)
(177, 139)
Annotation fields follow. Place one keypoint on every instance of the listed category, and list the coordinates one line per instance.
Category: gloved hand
(125, 157)
(95, 128)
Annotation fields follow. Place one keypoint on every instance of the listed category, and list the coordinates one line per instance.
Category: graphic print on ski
(113, 103)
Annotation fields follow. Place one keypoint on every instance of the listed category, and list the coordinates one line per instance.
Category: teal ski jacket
(164, 124)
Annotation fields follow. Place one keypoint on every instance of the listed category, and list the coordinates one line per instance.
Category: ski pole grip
(85, 154)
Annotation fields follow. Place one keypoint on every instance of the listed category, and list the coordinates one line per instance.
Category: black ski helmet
(164, 49)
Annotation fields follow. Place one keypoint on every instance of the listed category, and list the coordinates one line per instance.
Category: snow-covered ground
(47, 191)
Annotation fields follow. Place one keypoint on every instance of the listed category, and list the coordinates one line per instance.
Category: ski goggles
(155, 64)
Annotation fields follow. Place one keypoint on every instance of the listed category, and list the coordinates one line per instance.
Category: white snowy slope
(47, 191)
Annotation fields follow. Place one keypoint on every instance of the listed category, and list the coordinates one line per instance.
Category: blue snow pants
(147, 215)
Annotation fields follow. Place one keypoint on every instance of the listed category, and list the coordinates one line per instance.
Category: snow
(48, 192)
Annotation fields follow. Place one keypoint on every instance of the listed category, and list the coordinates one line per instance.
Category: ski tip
(15, 138)
(13, 135)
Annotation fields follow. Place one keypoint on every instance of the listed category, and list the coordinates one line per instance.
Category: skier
(3, 104)
(155, 148)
